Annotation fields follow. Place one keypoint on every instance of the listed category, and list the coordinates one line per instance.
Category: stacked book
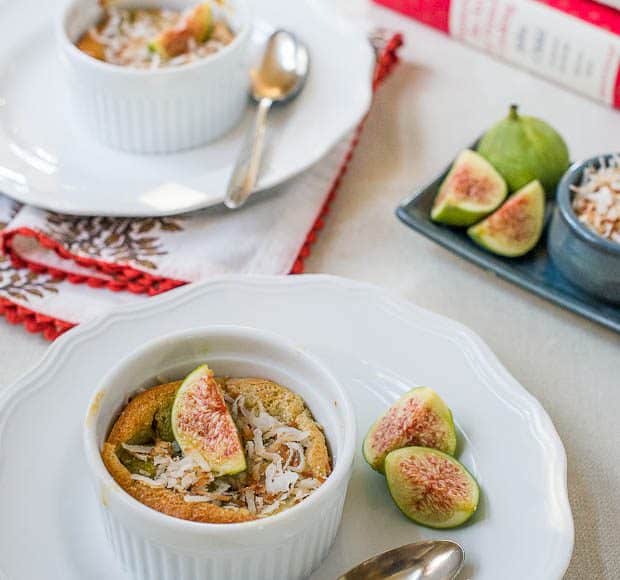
(575, 43)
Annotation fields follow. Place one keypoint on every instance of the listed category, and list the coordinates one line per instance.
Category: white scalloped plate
(378, 346)
(48, 161)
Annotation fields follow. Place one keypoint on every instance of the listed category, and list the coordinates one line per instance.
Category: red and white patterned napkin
(57, 270)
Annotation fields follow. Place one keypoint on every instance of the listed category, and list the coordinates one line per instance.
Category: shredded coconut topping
(597, 199)
(277, 475)
(124, 35)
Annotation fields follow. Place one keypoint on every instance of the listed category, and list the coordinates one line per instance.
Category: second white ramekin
(162, 110)
(287, 546)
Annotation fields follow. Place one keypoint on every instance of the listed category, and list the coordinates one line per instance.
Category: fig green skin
(230, 466)
(135, 465)
(489, 235)
(452, 209)
(143, 437)
(397, 486)
(524, 149)
(163, 423)
(435, 403)
(201, 21)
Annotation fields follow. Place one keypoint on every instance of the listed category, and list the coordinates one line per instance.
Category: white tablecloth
(439, 100)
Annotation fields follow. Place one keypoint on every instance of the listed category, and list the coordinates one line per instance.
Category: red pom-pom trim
(119, 278)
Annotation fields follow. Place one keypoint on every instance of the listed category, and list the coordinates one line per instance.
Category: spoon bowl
(283, 70)
(431, 560)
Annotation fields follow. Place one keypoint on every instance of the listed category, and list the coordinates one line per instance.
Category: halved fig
(430, 487)
(202, 424)
(471, 191)
(515, 228)
(420, 417)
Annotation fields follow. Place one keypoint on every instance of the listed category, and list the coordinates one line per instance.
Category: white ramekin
(289, 545)
(155, 111)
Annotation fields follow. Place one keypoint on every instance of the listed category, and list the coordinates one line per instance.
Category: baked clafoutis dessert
(217, 449)
(156, 37)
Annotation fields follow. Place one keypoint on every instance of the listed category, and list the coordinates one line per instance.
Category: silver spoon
(433, 560)
(279, 78)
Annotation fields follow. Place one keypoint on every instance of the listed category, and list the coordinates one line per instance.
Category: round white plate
(47, 161)
(378, 346)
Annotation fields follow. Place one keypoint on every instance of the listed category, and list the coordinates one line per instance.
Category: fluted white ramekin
(162, 110)
(286, 546)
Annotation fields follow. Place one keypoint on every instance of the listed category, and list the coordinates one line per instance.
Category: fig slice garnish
(430, 487)
(203, 425)
(419, 418)
(196, 26)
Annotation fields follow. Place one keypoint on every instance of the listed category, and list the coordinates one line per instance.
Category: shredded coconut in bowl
(597, 200)
(125, 37)
(277, 476)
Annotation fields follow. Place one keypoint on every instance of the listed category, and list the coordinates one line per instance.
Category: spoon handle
(247, 168)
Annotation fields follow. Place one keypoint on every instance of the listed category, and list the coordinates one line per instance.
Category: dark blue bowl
(588, 260)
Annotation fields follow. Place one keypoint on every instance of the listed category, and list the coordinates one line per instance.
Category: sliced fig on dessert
(515, 228)
(135, 465)
(145, 466)
(419, 418)
(197, 26)
(200, 22)
(430, 487)
(471, 191)
(162, 422)
(202, 424)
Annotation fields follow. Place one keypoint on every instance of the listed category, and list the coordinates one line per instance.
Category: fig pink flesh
(470, 185)
(436, 485)
(412, 423)
(204, 416)
(514, 221)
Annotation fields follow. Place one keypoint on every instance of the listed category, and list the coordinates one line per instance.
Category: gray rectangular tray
(534, 272)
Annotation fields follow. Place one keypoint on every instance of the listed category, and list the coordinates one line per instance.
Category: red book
(575, 43)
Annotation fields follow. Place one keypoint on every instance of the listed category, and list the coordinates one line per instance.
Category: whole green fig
(524, 149)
